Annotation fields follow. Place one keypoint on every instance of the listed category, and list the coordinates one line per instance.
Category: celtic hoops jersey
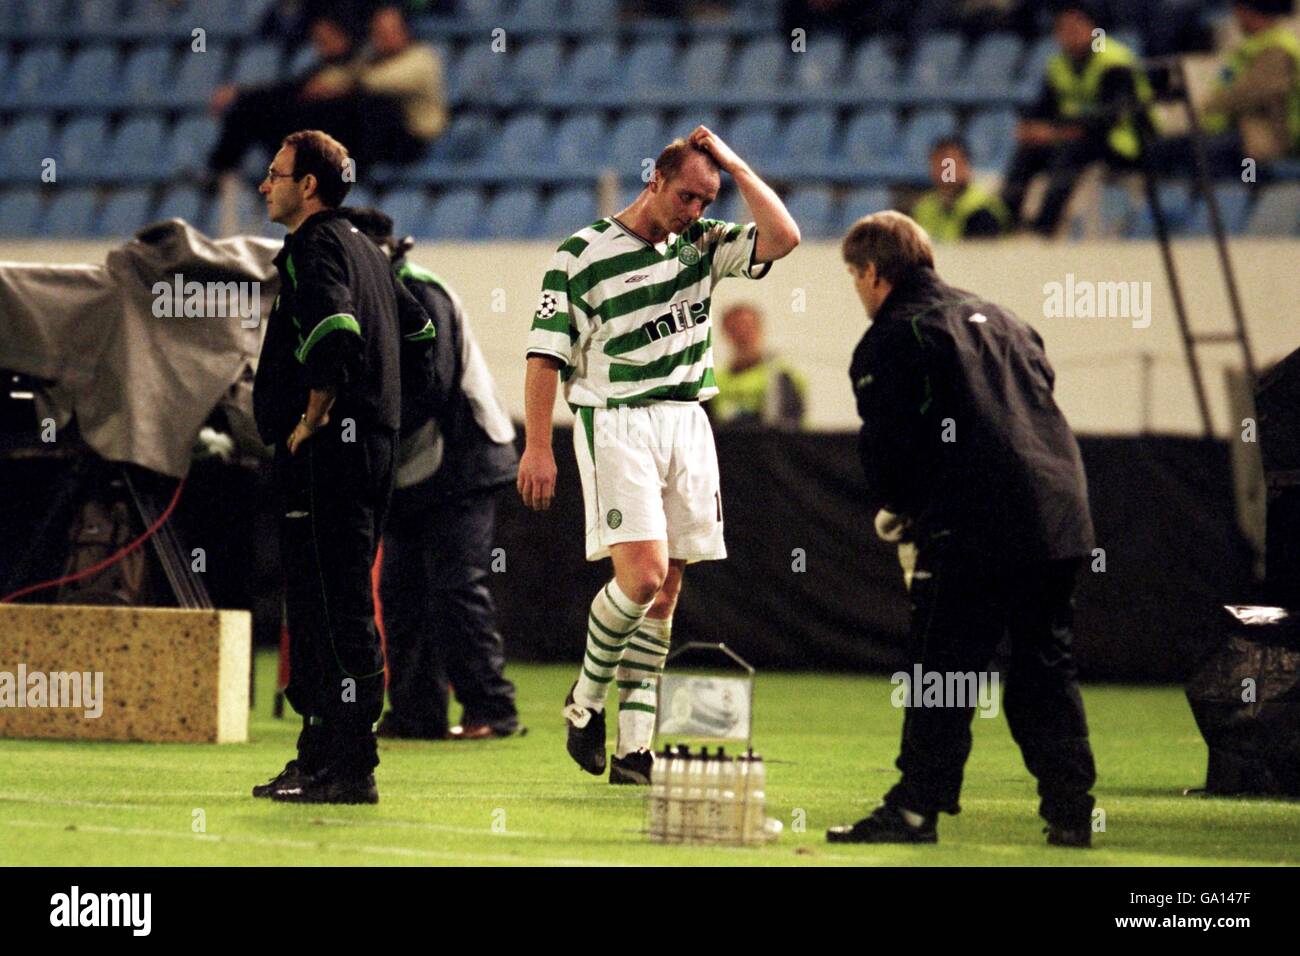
(630, 320)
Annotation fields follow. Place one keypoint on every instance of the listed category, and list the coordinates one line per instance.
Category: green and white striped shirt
(630, 320)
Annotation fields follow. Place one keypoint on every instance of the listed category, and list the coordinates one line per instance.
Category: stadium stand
(112, 91)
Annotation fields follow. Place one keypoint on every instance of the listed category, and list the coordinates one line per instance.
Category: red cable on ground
(110, 560)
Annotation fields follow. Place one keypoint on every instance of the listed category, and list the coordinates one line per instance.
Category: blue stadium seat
(187, 203)
(990, 76)
(811, 209)
(186, 149)
(635, 138)
(579, 145)
(135, 151)
(27, 142)
(761, 65)
(810, 136)
(520, 147)
(89, 80)
(19, 209)
(821, 65)
(874, 73)
(870, 137)
(409, 207)
(4, 61)
(991, 137)
(458, 214)
(860, 202)
(95, 19)
(70, 214)
(1029, 78)
(1276, 211)
(1234, 204)
(10, 22)
(82, 149)
(593, 69)
(935, 68)
(197, 75)
(567, 211)
(1175, 203)
(464, 140)
(125, 211)
(230, 19)
(42, 19)
(148, 19)
(681, 124)
(482, 11)
(729, 206)
(925, 126)
(753, 136)
(703, 65)
(304, 60)
(477, 74)
(532, 14)
(649, 75)
(512, 214)
(535, 67)
(148, 72)
(593, 15)
(257, 64)
(362, 195)
(35, 73)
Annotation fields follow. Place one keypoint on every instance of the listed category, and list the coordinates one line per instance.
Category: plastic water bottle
(756, 804)
(693, 815)
(743, 804)
(731, 809)
(713, 798)
(657, 807)
(675, 781)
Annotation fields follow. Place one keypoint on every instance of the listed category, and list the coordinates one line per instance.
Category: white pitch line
(317, 845)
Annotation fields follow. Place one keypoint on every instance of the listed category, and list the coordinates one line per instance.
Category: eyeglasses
(273, 175)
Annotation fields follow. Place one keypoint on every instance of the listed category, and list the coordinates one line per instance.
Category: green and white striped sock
(638, 684)
(614, 616)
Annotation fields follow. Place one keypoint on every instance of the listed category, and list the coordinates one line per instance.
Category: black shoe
(634, 768)
(330, 786)
(291, 776)
(485, 731)
(586, 743)
(885, 825)
(1080, 837)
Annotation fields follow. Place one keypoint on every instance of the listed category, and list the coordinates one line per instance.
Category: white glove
(891, 527)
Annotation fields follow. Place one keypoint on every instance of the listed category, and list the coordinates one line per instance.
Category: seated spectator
(1093, 100)
(957, 209)
(386, 102)
(757, 389)
(1255, 108)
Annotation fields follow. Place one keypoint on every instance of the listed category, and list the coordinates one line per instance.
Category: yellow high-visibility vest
(949, 225)
(1240, 61)
(1076, 93)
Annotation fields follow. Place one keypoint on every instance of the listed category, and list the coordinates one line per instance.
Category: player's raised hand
(712, 143)
(536, 481)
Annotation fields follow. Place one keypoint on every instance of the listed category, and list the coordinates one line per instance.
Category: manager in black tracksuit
(326, 396)
(962, 438)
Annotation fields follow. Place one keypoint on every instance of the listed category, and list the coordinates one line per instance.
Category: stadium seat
(186, 149)
(19, 209)
(578, 145)
(1276, 211)
(409, 207)
(821, 65)
(1234, 203)
(70, 214)
(592, 70)
(42, 19)
(89, 80)
(593, 14)
(4, 62)
(231, 19)
(874, 74)
(535, 14)
(187, 203)
(861, 202)
(753, 136)
(761, 66)
(567, 211)
(95, 19)
(809, 137)
(477, 74)
(197, 75)
(991, 137)
(512, 214)
(257, 64)
(989, 77)
(683, 123)
(935, 67)
(870, 137)
(148, 19)
(464, 140)
(649, 75)
(304, 60)
(1029, 78)
(729, 206)
(811, 209)
(457, 214)
(925, 126)
(522, 141)
(81, 150)
(24, 146)
(535, 68)
(147, 74)
(35, 73)
(136, 151)
(125, 211)
(635, 138)
(702, 67)
(483, 11)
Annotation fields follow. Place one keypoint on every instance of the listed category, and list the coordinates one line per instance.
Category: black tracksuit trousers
(962, 607)
(334, 496)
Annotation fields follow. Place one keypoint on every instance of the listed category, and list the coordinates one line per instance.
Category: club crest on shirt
(614, 518)
(688, 255)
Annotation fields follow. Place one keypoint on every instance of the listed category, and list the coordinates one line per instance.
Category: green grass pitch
(830, 740)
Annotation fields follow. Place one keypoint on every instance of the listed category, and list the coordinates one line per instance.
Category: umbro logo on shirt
(637, 278)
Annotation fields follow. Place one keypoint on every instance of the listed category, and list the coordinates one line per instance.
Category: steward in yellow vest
(957, 209)
(758, 389)
(1258, 93)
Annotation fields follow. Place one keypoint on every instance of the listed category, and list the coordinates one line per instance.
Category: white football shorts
(650, 473)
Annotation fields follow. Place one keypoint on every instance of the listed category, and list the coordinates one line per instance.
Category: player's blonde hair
(893, 241)
(673, 156)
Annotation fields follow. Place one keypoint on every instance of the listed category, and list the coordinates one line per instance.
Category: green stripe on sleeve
(323, 328)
